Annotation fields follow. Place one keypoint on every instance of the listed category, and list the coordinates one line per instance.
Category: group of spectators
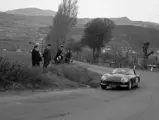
(46, 56)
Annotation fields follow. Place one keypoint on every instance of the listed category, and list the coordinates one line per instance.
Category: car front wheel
(129, 85)
(103, 87)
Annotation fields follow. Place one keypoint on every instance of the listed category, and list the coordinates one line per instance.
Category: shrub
(14, 73)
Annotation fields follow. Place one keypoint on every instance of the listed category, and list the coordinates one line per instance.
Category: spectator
(47, 56)
(36, 58)
(59, 53)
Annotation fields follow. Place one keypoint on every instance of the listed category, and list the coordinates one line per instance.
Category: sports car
(120, 77)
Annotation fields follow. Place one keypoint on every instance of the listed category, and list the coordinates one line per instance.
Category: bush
(14, 73)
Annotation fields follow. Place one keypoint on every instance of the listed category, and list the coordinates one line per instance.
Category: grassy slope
(25, 58)
(17, 30)
(22, 57)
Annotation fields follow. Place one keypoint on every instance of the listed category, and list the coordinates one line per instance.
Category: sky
(143, 10)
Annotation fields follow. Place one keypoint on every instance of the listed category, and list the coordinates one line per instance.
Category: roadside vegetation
(18, 75)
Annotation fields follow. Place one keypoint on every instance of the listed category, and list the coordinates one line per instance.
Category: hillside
(122, 21)
(44, 17)
(32, 12)
(17, 31)
(35, 21)
(20, 30)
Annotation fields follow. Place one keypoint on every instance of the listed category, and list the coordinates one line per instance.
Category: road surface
(87, 104)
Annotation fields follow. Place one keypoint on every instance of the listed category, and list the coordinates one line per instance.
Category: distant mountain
(32, 12)
(45, 16)
(123, 21)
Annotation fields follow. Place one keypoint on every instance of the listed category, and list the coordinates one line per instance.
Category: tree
(65, 19)
(96, 34)
(69, 43)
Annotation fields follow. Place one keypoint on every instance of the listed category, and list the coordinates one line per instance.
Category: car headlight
(103, 77)
(124, 79)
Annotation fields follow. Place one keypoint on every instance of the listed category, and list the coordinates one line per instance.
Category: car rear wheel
(129, 85)
(103, 87)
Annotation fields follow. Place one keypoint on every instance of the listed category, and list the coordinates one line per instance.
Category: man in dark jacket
(59, 53)
(36, 58)
(47, 56)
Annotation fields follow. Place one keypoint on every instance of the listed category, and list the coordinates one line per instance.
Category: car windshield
(123, 71)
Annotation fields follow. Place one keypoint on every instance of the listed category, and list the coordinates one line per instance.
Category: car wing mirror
(138, 74)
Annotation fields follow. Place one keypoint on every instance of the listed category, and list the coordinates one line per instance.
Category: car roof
(123, 69)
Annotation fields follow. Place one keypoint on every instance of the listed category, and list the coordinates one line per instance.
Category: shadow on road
(123, 89)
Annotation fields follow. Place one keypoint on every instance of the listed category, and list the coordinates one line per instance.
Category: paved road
(87, 104)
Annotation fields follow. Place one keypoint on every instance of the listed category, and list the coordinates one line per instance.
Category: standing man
(47, 56)
(36, 58)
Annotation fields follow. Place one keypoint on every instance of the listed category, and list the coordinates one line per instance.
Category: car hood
(117, 77)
